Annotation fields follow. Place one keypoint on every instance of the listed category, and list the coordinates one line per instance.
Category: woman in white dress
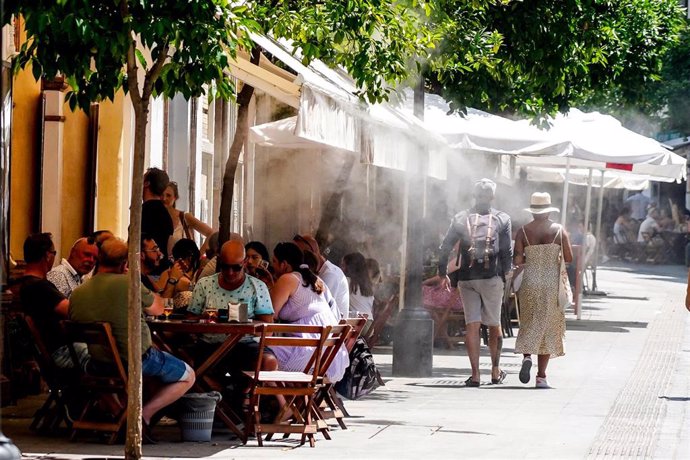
(298, 298)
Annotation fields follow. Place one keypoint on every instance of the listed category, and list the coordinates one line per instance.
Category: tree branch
(155, 71)
(132, 70)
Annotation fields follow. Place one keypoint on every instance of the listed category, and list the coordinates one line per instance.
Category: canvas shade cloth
(330, 114)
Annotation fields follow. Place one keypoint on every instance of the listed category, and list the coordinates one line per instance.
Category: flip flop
(471, 383)
(501, 377)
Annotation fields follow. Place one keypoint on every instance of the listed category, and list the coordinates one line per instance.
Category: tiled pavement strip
(632, 427)
(620, 392)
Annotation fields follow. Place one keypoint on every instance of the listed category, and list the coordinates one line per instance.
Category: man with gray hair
(485, 259)
(70, 273)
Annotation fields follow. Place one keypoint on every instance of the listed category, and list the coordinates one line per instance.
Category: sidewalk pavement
(622, 390)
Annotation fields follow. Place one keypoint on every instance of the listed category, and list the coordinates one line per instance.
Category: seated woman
(298, 298)
(623, 228)
(257, 262)
(179, 279)
(361, 290)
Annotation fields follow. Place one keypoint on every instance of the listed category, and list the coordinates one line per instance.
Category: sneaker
(525, 369)
(542, 383)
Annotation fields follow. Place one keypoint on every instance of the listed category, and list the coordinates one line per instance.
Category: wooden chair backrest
(97, 336)
(337, 336)
(294, 335)
(380, 321)
(49, 371)
(357, 326)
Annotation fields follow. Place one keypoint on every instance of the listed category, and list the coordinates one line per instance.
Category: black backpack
(361, 377)
(480, 259)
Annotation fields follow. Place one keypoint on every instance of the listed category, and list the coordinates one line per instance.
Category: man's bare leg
(495, 347)
(166, 395)
(472, 344)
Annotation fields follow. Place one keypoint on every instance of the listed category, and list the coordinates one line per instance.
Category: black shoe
(146, 436)
(471, 383)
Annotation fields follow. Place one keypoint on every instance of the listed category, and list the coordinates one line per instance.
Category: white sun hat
(540, 203)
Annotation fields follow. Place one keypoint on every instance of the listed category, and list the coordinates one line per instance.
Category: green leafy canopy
(88, 41)
(538, 57)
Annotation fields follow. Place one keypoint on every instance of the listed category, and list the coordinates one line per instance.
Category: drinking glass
(212, 313)
(168, 309)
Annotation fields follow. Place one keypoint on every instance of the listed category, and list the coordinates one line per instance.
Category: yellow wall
(110, 156)
(25, 165)
(24, 160)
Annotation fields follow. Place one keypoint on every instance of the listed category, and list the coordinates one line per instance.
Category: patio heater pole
(580, 261)
(413, 339)
(594, 289)
(566, 185)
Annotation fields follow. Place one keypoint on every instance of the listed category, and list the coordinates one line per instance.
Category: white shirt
(336, 281)
(65, 278)
(647, 226)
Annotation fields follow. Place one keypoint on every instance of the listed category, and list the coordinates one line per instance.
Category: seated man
(69, 274)
(42, 301)
(104, 298)
(232, 284)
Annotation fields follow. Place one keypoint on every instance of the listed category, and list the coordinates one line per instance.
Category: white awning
(282, 134)
(331, 115)
(482, 132)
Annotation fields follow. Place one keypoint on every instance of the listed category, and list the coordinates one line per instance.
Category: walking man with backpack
(485, 261)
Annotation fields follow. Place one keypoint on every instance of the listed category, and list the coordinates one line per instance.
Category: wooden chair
(106, 383)
(380, 321)
(327, 402)
(61, 384)
(298, 388)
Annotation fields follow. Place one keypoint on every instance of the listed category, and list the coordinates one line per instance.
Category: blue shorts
(164, 366)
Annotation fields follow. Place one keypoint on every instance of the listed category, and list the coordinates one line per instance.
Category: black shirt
(39, 297)
(156, 223)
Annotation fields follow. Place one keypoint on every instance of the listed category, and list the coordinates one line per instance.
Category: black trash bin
(196, 415)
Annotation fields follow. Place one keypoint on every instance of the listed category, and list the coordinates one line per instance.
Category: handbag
(565, 293)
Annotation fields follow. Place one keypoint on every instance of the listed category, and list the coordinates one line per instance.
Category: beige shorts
(482, 300)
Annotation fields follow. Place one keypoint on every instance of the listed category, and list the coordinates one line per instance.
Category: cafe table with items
(205, 381)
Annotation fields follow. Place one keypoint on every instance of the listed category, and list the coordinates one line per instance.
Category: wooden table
(204, 380)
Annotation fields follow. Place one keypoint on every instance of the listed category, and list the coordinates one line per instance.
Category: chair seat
(281, 376)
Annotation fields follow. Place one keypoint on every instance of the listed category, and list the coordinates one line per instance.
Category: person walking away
(539, 245)
(484, 234)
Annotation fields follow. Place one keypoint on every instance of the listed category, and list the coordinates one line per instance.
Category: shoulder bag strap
(187, 231)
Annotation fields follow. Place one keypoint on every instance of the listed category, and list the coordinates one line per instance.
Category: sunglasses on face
(232, 267)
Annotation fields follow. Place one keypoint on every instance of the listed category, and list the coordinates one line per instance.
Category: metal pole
(413, 339)
(598, 235)
(566, 186)
(588, 205)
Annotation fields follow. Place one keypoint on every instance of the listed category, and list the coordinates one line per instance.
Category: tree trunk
(241, 133)
(329, 211)
(134, 390)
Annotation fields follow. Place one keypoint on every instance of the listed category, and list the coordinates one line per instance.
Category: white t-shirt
(336, 281)
(647, 226)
